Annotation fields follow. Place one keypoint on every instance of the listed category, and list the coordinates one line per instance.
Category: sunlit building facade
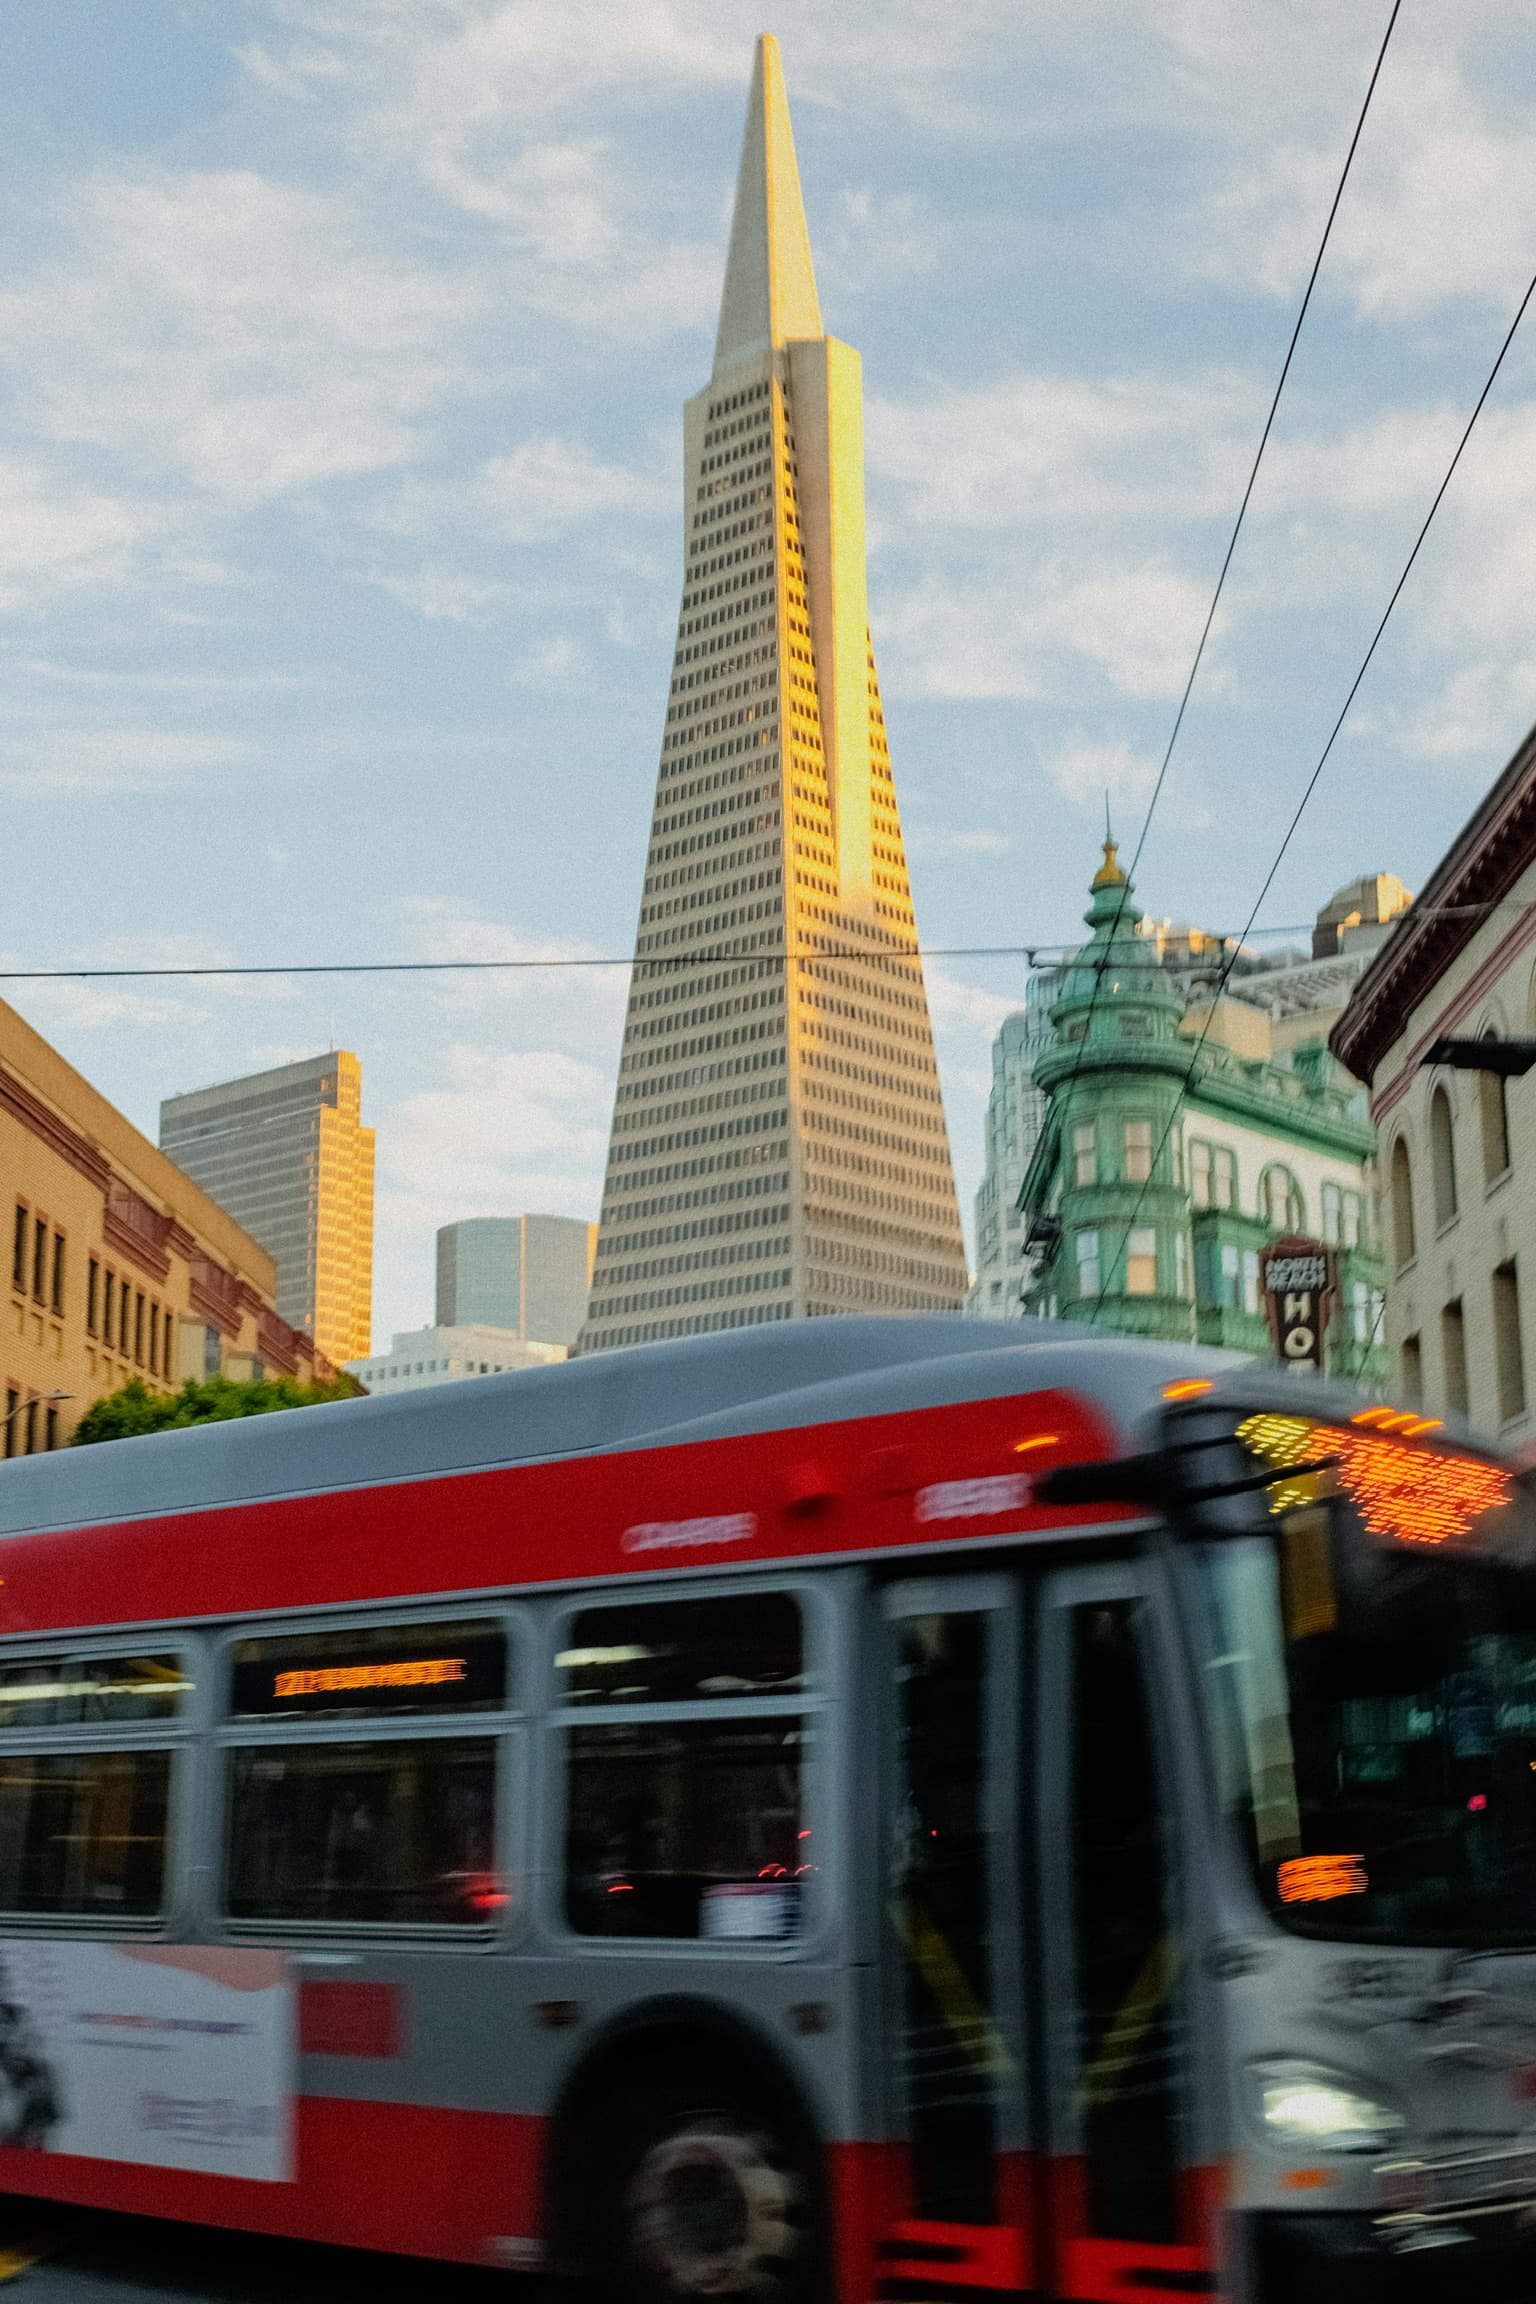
(119, 1268)
(778, 1143)
(287, 1154)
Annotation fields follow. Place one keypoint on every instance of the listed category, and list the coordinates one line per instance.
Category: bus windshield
(1371, 1653)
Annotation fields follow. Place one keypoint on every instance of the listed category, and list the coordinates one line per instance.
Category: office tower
(1015, 1116)
(778, 1142)
(528, 1275)
(286, 1153)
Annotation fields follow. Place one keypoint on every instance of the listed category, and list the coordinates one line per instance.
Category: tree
(212, 1400)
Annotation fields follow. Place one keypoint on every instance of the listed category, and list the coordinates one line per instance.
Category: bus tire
(702, 2185)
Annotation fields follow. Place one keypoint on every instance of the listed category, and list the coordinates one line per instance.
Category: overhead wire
(1227, 940)
(1107, 1270)
(1237, 529)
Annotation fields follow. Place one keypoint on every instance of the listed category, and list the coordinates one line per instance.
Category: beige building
(450, 1354)
(119, 1266)
(287, 1154)
(1458, 1146)
(778, 1142)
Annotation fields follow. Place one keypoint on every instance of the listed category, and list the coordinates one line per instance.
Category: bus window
(686, 1828)
(83, 1832)
(398, 1831)
(74, 1691)
(392, 1668)
(684, 1805)
(672, 1651)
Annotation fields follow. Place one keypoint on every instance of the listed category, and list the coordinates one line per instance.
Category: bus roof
(785, 1376)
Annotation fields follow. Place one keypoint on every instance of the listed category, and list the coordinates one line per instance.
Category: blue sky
(342, 349)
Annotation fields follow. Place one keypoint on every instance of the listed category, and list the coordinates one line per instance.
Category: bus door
(1133, 2218)
(956, 2220)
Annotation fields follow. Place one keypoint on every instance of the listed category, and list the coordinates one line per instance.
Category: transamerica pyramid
(778, 1144)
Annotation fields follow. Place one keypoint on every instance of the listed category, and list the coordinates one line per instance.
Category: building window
(1413, 1371)
(1365, 1309)
(1200, 1174)
(39, 1260)
(1333, 1215)
(11, 1437)
(1442, 1157)
(51, 1429)
(1181, 1263)
(58, 1274)
(1453, 1355)
(1493, 1106)
(1138, 1151)
(1508, 1349)
(19, 1249)
(1280, 1201)
(1251, 1280)
(213, 1350)
(1085, 1156)
(108, 1300)
(1224, 1177)
(1141, 1261)
(1231, 1278)
(1087, 1264)
(1403, 1244)
(92, 1296)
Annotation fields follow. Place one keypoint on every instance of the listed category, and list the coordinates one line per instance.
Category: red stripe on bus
(412, 2178)
(566, 1520)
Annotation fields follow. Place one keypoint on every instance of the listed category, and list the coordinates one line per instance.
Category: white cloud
(1088, 773)
(59, 535)
(506, 1130)
(249, 336)
(102, 760)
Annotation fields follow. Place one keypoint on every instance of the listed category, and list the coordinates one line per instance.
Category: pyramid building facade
(778, 1147)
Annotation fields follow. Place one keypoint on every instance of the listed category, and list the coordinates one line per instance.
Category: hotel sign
(1297, 1280)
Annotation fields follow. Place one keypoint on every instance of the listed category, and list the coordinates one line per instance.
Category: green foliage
(210, 1400)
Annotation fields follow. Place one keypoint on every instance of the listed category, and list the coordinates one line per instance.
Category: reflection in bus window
(72, 1691)
(674, 1651)
(83, 1832)
(399, 1832)
(1126, 1954)
(687, 1828)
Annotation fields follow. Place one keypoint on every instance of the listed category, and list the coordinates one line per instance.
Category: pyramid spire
(778, 1144)
(770, 283)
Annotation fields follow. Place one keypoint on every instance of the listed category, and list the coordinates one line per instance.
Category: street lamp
(44, 1400)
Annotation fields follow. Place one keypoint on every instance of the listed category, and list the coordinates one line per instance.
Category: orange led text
(336, 1679)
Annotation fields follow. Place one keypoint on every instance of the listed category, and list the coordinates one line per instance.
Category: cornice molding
(57, 1134)
(1481, 866)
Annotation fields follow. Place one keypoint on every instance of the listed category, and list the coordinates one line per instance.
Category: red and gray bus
(852, 1810)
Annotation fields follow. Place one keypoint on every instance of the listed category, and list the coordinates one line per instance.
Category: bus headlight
(1313, 2109)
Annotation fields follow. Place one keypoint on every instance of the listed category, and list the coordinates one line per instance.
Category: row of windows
(1493, 1116)
(1508, 1351)
(724, 642)
(37, 1259)
(685, 1733)
(127, 1320)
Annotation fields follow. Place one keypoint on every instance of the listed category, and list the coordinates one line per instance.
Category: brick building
(117, 1265)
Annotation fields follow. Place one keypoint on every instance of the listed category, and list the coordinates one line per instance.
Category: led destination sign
(1402, 1492)
(379, 1668)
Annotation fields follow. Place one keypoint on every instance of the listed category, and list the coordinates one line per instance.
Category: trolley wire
(1229, 942)
(1313, 780)
(1237, 529)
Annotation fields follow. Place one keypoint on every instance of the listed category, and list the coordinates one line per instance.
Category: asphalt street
(64, 2256)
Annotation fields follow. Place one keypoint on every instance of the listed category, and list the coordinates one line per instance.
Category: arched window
(1493, 1110)
(1280, 1201)
(1404, 1246)
(1442, 1157)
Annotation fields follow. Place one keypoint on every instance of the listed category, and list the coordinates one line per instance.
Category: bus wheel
(703, 2191)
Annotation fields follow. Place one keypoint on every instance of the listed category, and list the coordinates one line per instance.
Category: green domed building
(1168, 1161)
